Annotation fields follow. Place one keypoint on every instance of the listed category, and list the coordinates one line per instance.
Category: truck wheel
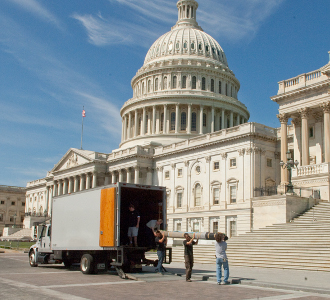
(87, 264)
(32, 259)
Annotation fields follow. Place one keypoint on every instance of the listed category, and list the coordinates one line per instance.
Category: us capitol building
(185, 129)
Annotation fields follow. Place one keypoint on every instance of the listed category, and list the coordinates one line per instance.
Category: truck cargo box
(97, 218)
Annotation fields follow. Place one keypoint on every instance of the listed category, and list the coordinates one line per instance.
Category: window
(233, 228)
(149, 85)
(179, 199)
(156, 84)
(212, 85)
(216, 195)
(183, 121)
(215, 227)
(165, 83)
(203, 84)
(226, 89)
(2, 202)
(233, 163)
(22, 219)
(193, 83)
(207, 48)
(179, 172)
(204, 120)
(142, 88)
(167, 175)
(1, 217)
(198, 195)
(198, 169)
(140, 127)
(184, 82)
(192, 46)
(193, 121)
(196, 227)
(178, 226)
(162, 122)
(216, 166)
(146, 124)
(232, 194)
(174, 82)
(200, 47)
(311, 132)
(11, 219)
(173, 121)
(269, 162)
(23, 203)
(219, 87)
(177, 45)
(13, 203)
(185, 45)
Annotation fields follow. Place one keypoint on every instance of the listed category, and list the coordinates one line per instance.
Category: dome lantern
(187, 14)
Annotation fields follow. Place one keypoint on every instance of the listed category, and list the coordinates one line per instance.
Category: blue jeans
(220, 263)
(161, 255)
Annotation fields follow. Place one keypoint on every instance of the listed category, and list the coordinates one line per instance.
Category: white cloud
(37, 9)
(234, 20)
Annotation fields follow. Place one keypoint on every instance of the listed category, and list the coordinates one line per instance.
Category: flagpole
(82, 127)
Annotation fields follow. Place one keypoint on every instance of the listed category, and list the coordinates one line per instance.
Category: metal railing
(299, 191)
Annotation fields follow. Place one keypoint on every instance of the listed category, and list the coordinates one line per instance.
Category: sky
(58, 56)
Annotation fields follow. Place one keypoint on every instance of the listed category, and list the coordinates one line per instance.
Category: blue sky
(57, 56)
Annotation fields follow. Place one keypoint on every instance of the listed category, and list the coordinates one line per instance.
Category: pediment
(71, 159)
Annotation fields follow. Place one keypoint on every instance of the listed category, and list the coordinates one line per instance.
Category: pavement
(284, 279)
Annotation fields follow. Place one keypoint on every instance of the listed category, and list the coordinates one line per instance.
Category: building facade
(12, 206)
(185, 129)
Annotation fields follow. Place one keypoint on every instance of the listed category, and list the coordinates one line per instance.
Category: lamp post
(290, 164)
(15, 216)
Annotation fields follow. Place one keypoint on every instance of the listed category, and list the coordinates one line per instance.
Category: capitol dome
(184, 88)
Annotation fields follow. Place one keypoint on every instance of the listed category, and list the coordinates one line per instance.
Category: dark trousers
(189, 263)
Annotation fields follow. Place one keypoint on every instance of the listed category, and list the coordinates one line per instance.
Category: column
(94, 183)
(238, 119)
(128, 175)
(76, 183)
(201, 120)
(60, 188)
(65, 186)
(284, 146)
(144, 121)
(231, 124)
(110, 177)
(106, 178)
(222, 119)
(70, 185)
(304, 137)
(120, 175)
(125, 127)
(177, 118)
(149, 176)
(136, 175)
(189, 119)
(212, 119)
(129, 125)
(55, 190)
(165, 119)
(136, 126)
(88, 181)
(326, 116)
(47, 198)
(153, 119)
(49, 208)
(82, 182)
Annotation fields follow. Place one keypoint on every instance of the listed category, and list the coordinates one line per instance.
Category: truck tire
(32, 259)
(87, 265)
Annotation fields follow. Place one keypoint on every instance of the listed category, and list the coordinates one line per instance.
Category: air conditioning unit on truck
(90, 227)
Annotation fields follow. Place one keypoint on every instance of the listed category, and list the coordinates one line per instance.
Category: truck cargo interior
(148, 203)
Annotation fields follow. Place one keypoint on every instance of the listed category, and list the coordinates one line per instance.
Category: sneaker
(188, 280)
(225, 282)
(218, 283)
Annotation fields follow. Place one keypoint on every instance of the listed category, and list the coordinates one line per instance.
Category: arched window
(149, 85)
(162, 122)
(198, 195)
(192, 46)
(173, 121)
(193, 86)
(200, 47)
(219, 87)
(212, 85)
(165, 83)
(156, 84)
(203, 84)
(183, 121)
(184, 82)
(185, 45)
(204, 120)
(174, 82)
(193, 121)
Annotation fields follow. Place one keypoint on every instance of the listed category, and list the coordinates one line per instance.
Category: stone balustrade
(311, 170)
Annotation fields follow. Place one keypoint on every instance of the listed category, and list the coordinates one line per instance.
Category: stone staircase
(303, 244)
(25, 234)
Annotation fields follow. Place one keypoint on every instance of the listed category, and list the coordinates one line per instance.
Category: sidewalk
(297, 280)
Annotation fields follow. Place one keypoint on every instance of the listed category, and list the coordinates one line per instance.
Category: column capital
(283, 118)
(304, 112)
(296, 121)
(325, 107)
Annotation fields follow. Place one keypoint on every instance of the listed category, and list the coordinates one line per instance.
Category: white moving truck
(90, 227)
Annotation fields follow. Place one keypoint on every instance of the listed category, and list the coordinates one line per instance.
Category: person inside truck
(133, 225)
(151, 226)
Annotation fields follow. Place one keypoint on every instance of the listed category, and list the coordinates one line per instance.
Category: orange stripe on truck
(107, 217)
